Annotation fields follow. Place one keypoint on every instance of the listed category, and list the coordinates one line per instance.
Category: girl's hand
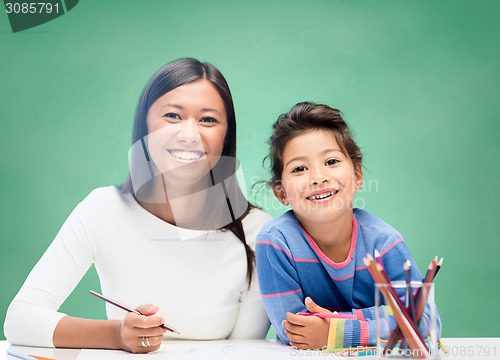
(137, 330)
(307, 332)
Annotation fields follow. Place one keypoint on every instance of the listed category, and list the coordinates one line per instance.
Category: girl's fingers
(299, 345)
(293, 329)
(299, 320)
(294, 337)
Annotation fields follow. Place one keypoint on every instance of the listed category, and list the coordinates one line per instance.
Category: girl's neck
(332, 237)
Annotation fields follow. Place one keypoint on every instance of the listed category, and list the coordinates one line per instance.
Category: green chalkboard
(418, 82)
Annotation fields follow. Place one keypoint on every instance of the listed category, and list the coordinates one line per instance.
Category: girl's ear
(280, 194)
(359, 177)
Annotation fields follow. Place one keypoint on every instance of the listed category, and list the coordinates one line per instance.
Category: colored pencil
(126, 308)
(401, 315)
(409, 296)
(396, 334)
(439, 264)
(19, 355)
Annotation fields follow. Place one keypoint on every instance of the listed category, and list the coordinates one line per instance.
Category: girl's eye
(208, 120)
(331, 162)
(172, 116)
(299, 169)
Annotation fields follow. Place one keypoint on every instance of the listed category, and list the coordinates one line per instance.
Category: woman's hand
(307, 332)
(142, 333)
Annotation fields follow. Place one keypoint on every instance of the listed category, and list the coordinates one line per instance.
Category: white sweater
(197, 278)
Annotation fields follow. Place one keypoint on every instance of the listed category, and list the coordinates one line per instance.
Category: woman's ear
(359, 177)
(280, 193)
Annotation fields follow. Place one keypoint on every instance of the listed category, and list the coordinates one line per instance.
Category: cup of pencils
(403, 331)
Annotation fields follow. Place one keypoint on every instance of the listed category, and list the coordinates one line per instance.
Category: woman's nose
(188, 132)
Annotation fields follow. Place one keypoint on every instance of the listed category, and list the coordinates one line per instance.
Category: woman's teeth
(186, 155)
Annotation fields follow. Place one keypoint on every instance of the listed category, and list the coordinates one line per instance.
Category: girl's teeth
(319, 197)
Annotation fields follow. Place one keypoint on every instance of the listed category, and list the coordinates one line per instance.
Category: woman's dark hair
(303, 117)
(169, 77)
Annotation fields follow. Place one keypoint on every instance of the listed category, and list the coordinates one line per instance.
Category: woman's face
(187, 127)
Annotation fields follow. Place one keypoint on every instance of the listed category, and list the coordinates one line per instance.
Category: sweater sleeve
(363, 330)
(279, 282)
(33, 314)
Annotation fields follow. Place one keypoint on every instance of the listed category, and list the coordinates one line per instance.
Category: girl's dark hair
(303, 117)
(169, 77)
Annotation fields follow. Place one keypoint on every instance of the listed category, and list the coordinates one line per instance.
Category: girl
(315, 251)
(178, 233)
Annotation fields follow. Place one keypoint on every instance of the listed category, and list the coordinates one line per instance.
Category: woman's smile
(186, 156)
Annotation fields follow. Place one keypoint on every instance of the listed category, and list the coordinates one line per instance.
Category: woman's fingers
(145, 322)
(147, 309)
(142, 333)
(148, 343)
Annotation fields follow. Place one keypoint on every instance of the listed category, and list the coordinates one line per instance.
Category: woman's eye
(172, 116)
(299, 169)
(208, 120)
(330, 162)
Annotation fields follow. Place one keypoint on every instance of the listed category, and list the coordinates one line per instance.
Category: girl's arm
(283, 298)
(395, 253)
(279, 282)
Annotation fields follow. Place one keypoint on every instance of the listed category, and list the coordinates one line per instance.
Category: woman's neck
(332, 237)
(181, 205)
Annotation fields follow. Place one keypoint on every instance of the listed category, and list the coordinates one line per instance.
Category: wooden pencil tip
(377, 254)
(440, 262)
(369, 257)
(365, 260)
(407, 265)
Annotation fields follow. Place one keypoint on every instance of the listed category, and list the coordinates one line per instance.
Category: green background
(417, 80)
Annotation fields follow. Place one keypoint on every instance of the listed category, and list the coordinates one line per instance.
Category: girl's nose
(188, 132)
(318, 177)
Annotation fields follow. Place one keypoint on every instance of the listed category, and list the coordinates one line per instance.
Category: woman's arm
(33, 318)
(33, 314)
(74, 332)
(127, 335)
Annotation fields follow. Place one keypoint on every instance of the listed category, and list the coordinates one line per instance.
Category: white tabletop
(458, 348)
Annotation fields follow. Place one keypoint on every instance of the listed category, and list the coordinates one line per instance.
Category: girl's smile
(318, 181)
(322, 196)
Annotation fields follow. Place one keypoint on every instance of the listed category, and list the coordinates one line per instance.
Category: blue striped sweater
(291, 267)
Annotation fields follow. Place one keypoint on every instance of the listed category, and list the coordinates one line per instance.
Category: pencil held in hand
(126, 308)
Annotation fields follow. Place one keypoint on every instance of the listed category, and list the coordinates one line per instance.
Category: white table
(459, 348)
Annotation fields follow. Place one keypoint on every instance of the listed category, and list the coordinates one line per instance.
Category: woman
(178, 233)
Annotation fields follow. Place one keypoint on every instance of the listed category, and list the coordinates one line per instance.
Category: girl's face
(318, 180)
(187, 127)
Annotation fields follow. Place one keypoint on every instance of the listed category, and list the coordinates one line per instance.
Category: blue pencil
(20, 356)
